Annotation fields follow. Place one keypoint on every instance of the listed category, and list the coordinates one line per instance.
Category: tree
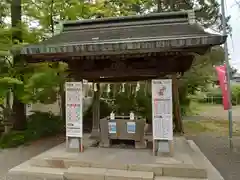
(207, 12)
(202, 72)
(3, 11)
(7, 83)
(43, 84)
(15, 77)
(20, 122)
(233, 71)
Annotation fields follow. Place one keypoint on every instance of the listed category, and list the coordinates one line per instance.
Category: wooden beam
(96, 113)
(53, 57)
(121, 79)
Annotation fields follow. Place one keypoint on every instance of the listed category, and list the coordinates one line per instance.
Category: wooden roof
(161, 32)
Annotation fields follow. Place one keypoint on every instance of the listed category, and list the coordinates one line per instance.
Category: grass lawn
(196, 108)
(214, 126)
(209, 124)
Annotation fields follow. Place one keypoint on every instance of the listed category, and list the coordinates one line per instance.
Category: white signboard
(162, 128)
(162, 109)
(74, 113)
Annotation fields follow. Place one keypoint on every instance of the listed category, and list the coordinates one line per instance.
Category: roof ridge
(158, 18)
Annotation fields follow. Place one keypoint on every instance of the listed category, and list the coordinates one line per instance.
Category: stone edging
(209, 165)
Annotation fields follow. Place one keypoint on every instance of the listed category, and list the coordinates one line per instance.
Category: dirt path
(10, 158)
(217, 151)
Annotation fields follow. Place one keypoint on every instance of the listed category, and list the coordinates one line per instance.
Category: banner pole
(228, 69)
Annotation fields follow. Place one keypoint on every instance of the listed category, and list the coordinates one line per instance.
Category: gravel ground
(216, 149)
(10, 158)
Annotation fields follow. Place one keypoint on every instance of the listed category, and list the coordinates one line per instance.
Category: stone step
(174, 178)
(25, 172)
(174, 170)
(184, 172)
(84, 173)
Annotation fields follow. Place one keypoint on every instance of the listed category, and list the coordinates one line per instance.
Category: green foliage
(105, 110)
(140, 102)
(43, 84)
(202, 72)
(39, 125)
(184, 100)
(40, 82)
(235, 94)
(5, 41)
(42, 87)
(43, 124)
(214, 96)
(12, 139)
(125, 102)
(144, 104)
(8, 83)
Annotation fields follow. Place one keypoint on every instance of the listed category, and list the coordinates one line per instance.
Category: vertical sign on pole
(162, 111)
(221, 71)
(74, 125)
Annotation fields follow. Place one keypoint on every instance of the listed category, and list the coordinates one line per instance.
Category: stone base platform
(111, 164)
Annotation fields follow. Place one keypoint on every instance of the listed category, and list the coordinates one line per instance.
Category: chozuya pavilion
(134, 48)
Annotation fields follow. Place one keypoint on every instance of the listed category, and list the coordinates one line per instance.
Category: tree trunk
(96, 113)
(7, 113)
(19, 114)
(172, 7)
(159, 5)
(176, 104)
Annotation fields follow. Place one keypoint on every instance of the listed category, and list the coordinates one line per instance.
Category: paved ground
(216, 150)
(214, 147)
(12, 157)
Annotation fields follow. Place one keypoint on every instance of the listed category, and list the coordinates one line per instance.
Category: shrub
(12, 139)
(40, 124)
(214, 96)
(235, 94)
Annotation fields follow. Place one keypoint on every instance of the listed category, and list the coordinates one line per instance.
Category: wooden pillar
(159, 5)
(96, 113)
(176, 106)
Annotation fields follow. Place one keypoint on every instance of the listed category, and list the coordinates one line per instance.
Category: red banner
(222, 78)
